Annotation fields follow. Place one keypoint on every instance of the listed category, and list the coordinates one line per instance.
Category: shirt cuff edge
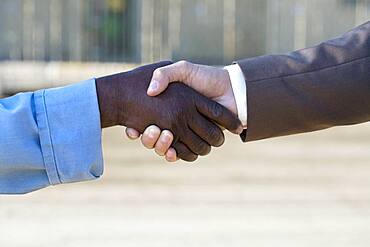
(238, 84)
(45, 138)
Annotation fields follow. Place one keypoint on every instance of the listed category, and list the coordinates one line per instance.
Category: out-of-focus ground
(306, 190)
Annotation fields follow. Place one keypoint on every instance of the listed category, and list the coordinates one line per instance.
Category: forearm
(311, 89)
(21, 161)
(49, 137)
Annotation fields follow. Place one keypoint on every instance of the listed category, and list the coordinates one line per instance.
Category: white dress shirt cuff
(239, 87)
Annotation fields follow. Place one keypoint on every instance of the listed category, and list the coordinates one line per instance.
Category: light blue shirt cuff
(68, 120)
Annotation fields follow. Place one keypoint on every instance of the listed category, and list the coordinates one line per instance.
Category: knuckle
(130, 135)
(216, 110)
(190, 157)
(184, 153)
(167, 136)
(202, 148)
(183, 63)
(233, 123)
(185, 68)
(147, 144)
(181, 153)
(150, 138)
(216, 136)
(160, 146)
(147, 139)
(169, 158)
(206, 150)
(159, 73)
(160, 151)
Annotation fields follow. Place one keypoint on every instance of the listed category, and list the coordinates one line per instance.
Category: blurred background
(55, 42)
(305, 190)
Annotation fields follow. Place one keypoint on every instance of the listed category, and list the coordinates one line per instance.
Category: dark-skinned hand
(190, 116)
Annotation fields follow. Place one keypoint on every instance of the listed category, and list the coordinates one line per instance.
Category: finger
(219, 114)
(196, 144)
(183, 152)
(208, 131)
(150, 136)
(132, 134)
(164, 142)
(163, 76)
(171, 155)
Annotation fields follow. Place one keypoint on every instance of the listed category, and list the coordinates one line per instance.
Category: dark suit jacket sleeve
(311, 89)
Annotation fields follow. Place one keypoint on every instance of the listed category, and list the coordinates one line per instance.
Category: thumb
(163, 76)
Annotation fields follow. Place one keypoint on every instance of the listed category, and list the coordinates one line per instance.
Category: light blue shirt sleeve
(50, 137)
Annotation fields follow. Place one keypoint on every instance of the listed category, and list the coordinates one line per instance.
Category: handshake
(179, 108)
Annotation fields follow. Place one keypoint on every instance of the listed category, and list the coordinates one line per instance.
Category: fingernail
(153, 87)
(166, 137)
(152, 133)
(131, 134)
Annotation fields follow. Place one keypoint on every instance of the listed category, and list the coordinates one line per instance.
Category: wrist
(106, 93)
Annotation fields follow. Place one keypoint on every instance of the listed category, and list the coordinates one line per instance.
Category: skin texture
(188, 115)
(212, 82)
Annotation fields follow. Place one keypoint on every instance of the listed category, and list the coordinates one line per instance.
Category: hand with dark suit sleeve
(311, 89)
(306, 90)
(190, 116)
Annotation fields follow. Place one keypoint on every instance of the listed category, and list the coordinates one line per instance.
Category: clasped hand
(186, 111)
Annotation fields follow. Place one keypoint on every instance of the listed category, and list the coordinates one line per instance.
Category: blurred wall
(68, 30)
(207, 31)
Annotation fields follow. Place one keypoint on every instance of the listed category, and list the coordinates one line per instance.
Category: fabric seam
(312, 71)
(52, 178)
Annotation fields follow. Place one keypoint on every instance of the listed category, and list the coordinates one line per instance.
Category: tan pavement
(306, 190)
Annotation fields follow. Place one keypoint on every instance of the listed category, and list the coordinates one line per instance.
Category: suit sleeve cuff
(238, 85)
(68, 119)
